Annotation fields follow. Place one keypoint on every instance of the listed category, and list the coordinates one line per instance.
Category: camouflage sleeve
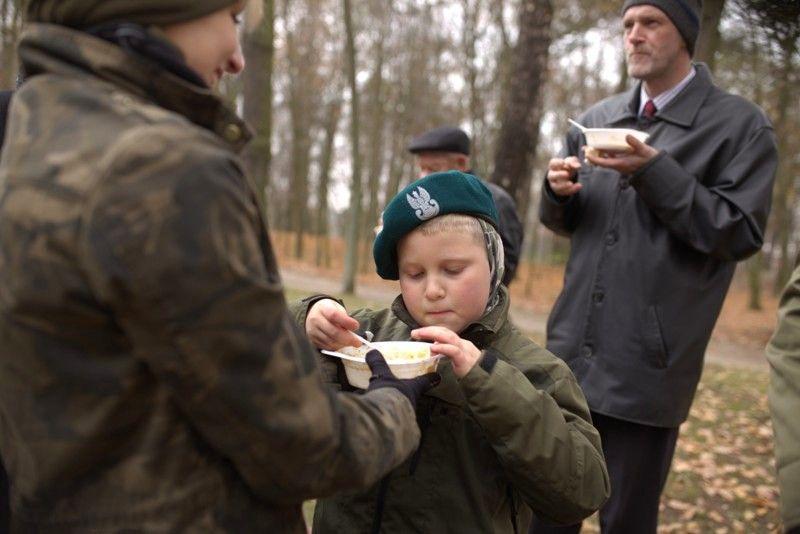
(175, 247)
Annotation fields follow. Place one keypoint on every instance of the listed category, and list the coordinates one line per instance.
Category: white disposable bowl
(397, 356)
(612, 139)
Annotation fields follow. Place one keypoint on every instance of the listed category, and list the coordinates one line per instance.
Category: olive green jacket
(151, 377)
(513, 435)
(783, 353)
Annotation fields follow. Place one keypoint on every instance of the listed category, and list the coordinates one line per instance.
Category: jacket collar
(681, 111)
(48, 48)
(490, 323)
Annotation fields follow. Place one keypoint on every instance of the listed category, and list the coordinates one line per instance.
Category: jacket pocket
(654, 347)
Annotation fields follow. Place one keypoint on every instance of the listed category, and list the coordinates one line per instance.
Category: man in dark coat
(656, 232)
(448, 148)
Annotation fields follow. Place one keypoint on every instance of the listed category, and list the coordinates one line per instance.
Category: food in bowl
(611, 139)
(406, 359)
(393, 350)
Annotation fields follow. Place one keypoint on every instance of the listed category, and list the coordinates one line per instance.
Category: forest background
(335, 89)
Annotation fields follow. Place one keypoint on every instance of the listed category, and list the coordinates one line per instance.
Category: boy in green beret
(508, 430)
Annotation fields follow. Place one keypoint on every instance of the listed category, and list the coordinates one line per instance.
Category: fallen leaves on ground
(723, 474)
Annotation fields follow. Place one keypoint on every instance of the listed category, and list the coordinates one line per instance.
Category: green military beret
(434, 195)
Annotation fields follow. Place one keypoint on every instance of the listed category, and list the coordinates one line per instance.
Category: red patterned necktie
(649, 110)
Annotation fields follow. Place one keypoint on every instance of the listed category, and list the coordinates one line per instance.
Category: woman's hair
(453, 222)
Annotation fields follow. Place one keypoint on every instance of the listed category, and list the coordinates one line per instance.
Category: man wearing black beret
(656, 231)
(448, 148)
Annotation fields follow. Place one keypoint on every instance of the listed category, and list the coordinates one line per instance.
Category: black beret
(442, 139)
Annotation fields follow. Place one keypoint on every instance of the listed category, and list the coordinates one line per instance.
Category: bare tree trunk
(396, 167)
(351, 256)
(5, 48)
(755, 265)
(519, 131)
(323, 256)
(469, 37)
(708, 40)
(302, 52)
(622, 85)
(376, 143)
(259, 50)
(754, 280)
(11, 26)
(784, 193)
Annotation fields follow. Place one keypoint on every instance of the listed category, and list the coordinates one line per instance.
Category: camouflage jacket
(513, 435)
(151, 377)
(783, 353)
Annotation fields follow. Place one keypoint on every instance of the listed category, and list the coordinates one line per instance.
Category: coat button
(598, 297)
(232, 133)
(586, 351)
(611, 237)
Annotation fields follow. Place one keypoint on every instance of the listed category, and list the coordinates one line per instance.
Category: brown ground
(740, 334)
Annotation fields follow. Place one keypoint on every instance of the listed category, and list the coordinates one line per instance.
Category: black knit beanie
(684, 14)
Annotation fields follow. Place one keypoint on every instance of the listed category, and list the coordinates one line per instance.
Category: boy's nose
(433, 289)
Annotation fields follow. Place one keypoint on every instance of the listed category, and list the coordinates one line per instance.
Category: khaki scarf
(82, 14)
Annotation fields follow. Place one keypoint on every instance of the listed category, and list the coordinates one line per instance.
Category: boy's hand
(329, 327)
(462, 353)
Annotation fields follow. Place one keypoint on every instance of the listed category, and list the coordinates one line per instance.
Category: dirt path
(719, 351)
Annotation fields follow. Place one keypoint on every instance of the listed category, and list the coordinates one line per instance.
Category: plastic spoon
(365, 342)
(578, 125)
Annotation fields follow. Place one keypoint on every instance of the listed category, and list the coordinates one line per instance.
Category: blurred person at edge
(151, 377)
(783, 353)
(447, 148)
(655, 236)
(5, 102)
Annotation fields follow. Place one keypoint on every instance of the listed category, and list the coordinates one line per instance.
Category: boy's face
(444, 278)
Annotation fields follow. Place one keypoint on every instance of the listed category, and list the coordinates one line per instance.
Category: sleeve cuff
(308, 302)
(636, 177)
(481, 371)
(553, 198)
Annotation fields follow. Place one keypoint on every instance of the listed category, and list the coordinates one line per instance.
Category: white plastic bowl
(612, 139)
(406, 359)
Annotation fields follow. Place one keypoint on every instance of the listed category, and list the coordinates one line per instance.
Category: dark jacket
(514, 434)
(509, 228)
(653, 254)
(783, 353)
(5, 102)
(151, 377)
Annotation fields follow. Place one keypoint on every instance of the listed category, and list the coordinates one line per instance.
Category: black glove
(382, 377)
